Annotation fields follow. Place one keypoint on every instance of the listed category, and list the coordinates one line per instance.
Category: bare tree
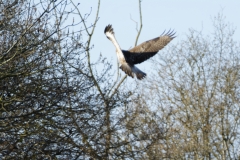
(196, 93)
(55, 103)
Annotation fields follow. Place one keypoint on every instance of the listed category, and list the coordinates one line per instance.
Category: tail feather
(140, 74)
(131, 70)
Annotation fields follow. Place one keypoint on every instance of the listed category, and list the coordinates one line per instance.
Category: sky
(157, 16)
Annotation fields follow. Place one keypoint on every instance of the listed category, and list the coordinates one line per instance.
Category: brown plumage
(140, 53)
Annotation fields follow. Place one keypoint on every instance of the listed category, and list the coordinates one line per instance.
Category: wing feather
(148, 49)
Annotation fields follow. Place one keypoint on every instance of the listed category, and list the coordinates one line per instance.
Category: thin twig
(140, 29)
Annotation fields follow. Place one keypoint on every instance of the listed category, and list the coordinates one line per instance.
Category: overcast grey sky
(158, 15)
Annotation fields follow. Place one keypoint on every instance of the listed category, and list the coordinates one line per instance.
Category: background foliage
(56, 104)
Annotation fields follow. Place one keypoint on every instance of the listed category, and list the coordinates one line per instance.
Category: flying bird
(138, 54)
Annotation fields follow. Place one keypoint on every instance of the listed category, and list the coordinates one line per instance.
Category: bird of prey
(138, 54)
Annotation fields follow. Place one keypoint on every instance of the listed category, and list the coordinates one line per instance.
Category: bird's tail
(140, 74)
(131, 70)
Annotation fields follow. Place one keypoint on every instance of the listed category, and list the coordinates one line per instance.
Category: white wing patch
(110, 36)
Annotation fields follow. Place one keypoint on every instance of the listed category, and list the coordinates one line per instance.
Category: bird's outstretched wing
(148, 49)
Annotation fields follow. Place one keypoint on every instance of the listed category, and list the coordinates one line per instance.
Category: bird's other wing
(110, 35)
(148, 49)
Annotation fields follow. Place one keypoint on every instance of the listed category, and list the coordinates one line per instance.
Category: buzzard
(138, 54)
